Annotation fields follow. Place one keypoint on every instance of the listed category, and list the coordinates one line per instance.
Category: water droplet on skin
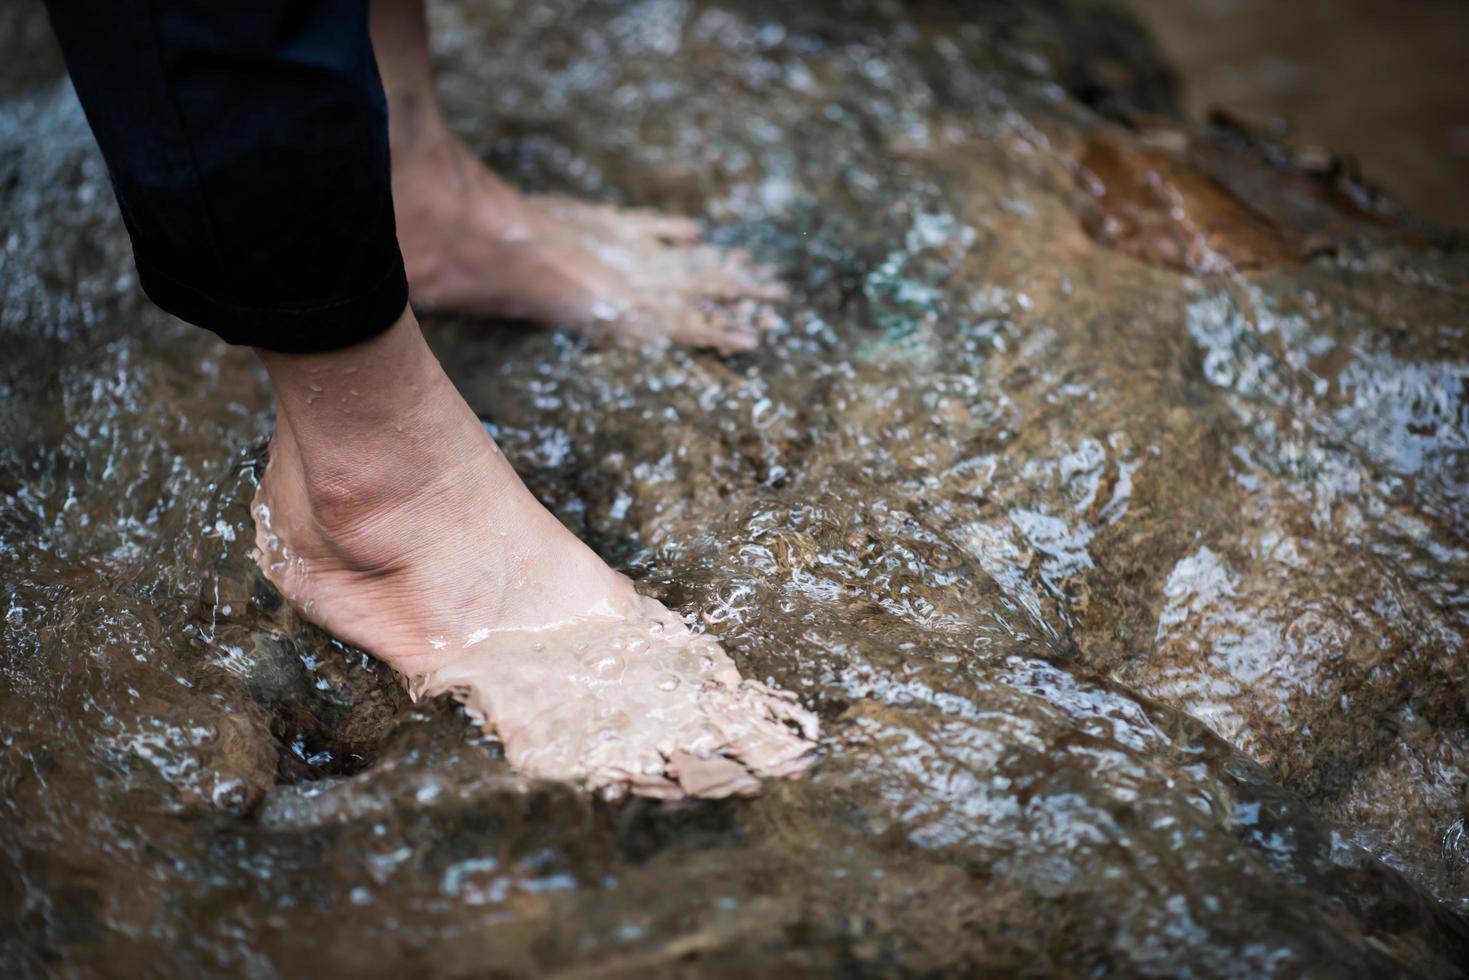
(668, 683)
(316, 388)
(606, 665)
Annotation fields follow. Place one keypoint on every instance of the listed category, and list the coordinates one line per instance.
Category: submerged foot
(425, 549)
(474, 245)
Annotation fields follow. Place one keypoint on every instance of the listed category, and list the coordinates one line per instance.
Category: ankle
(364, 509)
(417, 130)
(332, 398)
(368, 429)
(416, 463)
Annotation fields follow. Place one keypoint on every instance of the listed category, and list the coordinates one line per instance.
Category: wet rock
(1130, 593)
(1148, 201)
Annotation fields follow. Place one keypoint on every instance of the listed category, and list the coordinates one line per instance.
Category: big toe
(708, 326)
(730, 274)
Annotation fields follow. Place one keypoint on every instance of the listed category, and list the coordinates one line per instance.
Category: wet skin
(388, 516)
(473, 245)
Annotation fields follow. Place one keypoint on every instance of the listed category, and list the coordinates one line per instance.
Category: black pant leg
(248, 146)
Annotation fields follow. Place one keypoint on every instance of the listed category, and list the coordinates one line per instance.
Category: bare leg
(472, 244)
(389, 517)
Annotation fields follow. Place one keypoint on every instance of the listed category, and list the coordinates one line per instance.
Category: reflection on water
(1131, 589)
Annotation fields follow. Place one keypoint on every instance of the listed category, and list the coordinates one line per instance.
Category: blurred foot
(474, 245)
(389, 517)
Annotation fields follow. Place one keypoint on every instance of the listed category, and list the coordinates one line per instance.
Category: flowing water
(1103, 487)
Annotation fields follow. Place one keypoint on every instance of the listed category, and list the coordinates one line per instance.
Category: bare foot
(389, 517)
(472, 244)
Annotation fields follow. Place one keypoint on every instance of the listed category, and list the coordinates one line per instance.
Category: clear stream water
(1104, 488)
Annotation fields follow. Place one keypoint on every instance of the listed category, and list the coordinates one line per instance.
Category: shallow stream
(1104, 486)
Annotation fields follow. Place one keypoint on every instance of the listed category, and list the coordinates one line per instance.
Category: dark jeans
(248, 146)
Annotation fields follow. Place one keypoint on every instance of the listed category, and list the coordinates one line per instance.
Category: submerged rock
(1148, 201)
(1130, 588)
